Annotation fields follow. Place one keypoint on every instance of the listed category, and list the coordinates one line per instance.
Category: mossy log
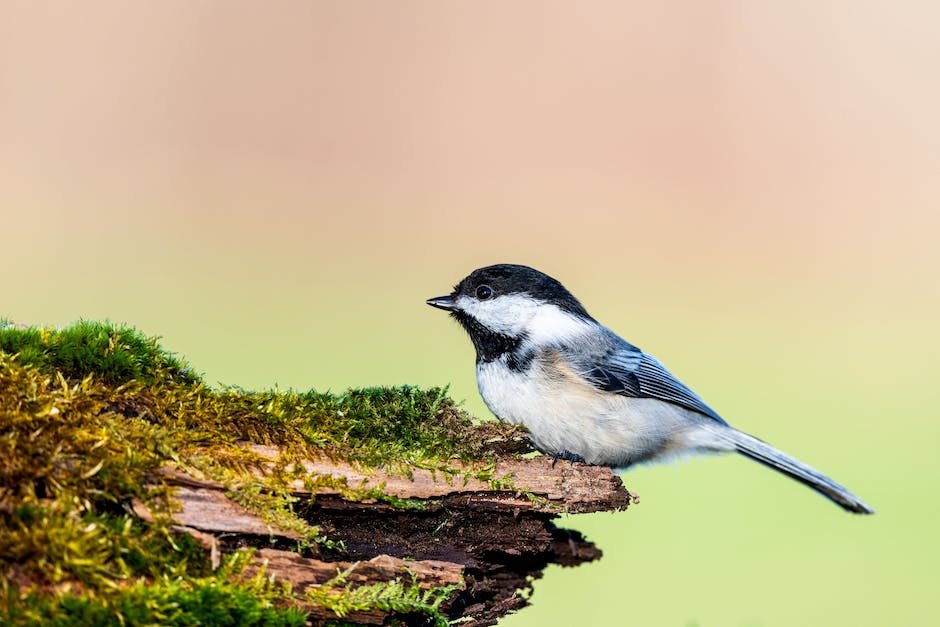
(484, 543)
(134, 493)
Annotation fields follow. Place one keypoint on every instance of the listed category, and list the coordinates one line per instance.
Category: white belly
(565, 413)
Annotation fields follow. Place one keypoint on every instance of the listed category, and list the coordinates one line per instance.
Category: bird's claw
(572, 457)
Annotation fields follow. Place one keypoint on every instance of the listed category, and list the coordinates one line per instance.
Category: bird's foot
(572, 457)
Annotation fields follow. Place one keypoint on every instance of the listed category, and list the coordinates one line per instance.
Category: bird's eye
(484, 292)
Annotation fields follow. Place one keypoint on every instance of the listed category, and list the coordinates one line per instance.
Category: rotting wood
(575, 488)
(491, 543)
(208, 509)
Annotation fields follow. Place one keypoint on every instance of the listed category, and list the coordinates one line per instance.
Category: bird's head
(509, 304)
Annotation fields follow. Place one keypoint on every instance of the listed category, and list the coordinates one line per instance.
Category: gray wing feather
(625, 369)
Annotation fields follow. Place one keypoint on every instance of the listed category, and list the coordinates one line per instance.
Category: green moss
(114, 353)
(220, 599)
(88, 414)
(399, 597)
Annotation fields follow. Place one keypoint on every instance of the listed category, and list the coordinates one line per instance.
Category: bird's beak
(443, 302)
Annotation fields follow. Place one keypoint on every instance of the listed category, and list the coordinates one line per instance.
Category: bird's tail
(753, 448)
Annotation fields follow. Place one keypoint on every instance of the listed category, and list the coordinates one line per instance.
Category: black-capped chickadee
(583, 392)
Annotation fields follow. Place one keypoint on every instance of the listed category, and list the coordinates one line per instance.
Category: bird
(584, 393)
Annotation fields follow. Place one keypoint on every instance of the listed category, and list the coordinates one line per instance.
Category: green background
(748, 193)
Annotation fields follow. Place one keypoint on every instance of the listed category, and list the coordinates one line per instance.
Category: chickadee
(583, 392)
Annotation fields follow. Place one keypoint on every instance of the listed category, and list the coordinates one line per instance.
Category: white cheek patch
(506, 315)
(515, 314)
(551, 323)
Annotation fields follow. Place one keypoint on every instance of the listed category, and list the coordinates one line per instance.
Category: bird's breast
(510, 394)
(560, 409)
(564, 412)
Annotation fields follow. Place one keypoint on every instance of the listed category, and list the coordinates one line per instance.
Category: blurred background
(748, 190)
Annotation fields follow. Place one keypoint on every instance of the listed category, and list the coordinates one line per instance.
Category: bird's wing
(625, 369)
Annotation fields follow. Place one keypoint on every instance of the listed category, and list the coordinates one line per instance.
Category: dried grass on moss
(90, 412)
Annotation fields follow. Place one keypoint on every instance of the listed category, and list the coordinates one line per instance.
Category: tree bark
(487, 543)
